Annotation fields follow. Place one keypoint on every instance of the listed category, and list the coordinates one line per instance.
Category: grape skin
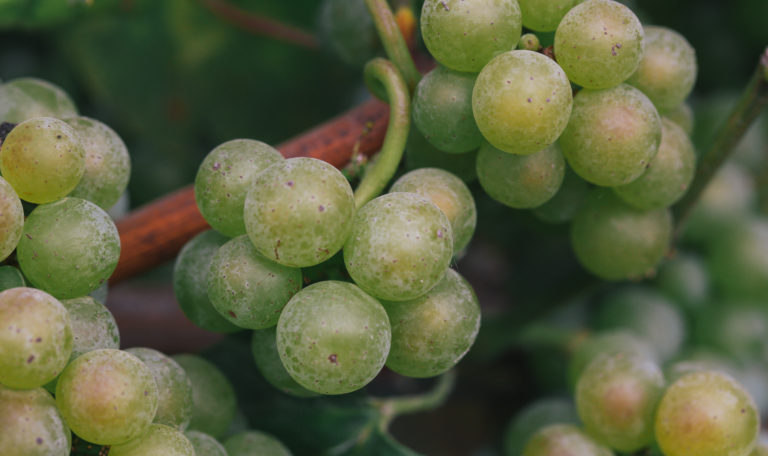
(11, 219)
(159, 440)
(267, 358)
(24, 98)
(563, 440)
(535, 416)
(544, 15)
(255, 443)
(93, 325)
(30, 425)
(205, 445)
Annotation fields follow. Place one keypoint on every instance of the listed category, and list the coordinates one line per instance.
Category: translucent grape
(544, 15)
(684, 279)
(566, 202)
(223, 180)
(159, 440)
(333, 338)
(213, 398)
(465, 35)
(399, 247)
(69, 248)
(11, 219)
(248, 289)
(606, 342)
(25, 98)
(738, 329)
(298, 212)
(204, 444)
(11, 277)
(31, 425)
(255, 443)
(599, 43)
(520, 181)
(421, 154)
(738, 261)
(267, 358)
(535, 416)
(107, 396)
(449, 194)
(43, 159)
(563, 440)
(522, 101)
(93, 326)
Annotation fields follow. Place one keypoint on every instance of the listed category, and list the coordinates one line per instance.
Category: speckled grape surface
(333, 338)
(247, 288)
(31, 425)
(399, 247)
(255, 443)
(522, 101)
(224, 178)
(160, 440)
(35, 338)
(612, 135)
(298, 212)
(11, 219)
(563, 440)
(431, 334)
(205, 445)
(465, 34)
(267, 359)
(544, 15)
(25, 98)
(93, 325)
(43, 159)
(107, 396)
(69, 248)
(450, 194)
(599, 43)
(213, 398)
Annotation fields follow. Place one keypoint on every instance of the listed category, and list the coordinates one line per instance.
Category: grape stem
(385, 81)
(752, 102)
(392, 407)
(393, 41)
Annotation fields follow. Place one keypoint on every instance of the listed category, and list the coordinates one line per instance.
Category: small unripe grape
(254, 443)
(213, 397)
(205, 445)
(563, 440)
(544, 15)
(159, 440)
(25, 98)
(31, 425)
(11, 219)
(529, 42)
(267, 358)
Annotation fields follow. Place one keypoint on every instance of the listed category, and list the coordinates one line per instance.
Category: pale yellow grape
(30, 425)
(11, 219)
(160, 440)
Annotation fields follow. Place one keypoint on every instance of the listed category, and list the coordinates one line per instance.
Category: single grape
(224, 178)
(607, 342)
(11, 277)
(465, 34)
(544, 15)
(684, 279)
(267, 358)
(599, 43)
(255, 443)
(107, 396)
(563, 440)
(159, 440)
(31, 425)
(419, 153)
(682, 115)
(205, 445)
(738, 261)
(529, 42)
(25, 98)
(522, 101)
(345, 27)
(566, 202)
(298, 212)
(69, 248)
(93, 326)
(535, 416)
(248, 289)
(333, 338)
(11, 219)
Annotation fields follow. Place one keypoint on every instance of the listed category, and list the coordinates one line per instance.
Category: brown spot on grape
(321, 208)
(216, 166)
(30, 359)
(39, 441)
(332, 358)
(232, 314)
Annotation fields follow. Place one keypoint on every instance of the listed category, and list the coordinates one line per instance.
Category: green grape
(174, 388)
(107, 163)
(616, 396)
(430, 334)
(248, 289)
(563, 440)
(685, 280)
(419, 153)
(738, 261)
(739, 329)
(213, 398)
(333, 338)
(35, 340)
(346, 28)
(615, 241)
(599, 43)
(298, 212)
(399, 247)
(449, 194)
(25, 98)
(520, 181)
(190, 282)
(107, 396)
(224, 178)
(707, 414)
(442, 110)
(69, 248)
(465, 34)
(159, 440)
(612, 136)
(607, 342)
(534, 416)
(529, 42)
(31, 425)
(204, 444)
(522, 101)
(11, 219)
(93, 326)
(11, 277)
(267, 358)
(667, 70)
(544, 15)
(566, 202)
(100, 294)
(682, 115)
(255, 443)
(43, 159)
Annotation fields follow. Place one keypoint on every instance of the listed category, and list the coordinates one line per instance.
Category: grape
(535, 416)
(607, 342)
(11, 219)
(10, 277)
(612, 135)
(298, 212)
(667, 70)
(738, 260)
(761, 449)
(248, 289)
(522, 101)
(544, 15)
(25, 98)
(333, 338)
(599, 43)
(31, 425)
(563, 440)
(346, 28)
(174, 388)
(465, 34)
(399, 247)
(707, 414)
(566, 202)
(267, 358)
(43, 159)
(107, 396)
(205, 445)
(685, 280)
(736, 328)
(421, 154)
(529, 42)
(255, 443)
(520, 181)
(213, 398)
(93, 326)
(69, 248)
(616, 396)
(431, 333)
(190, 282)
(159, 440)
(682, 115)
(35, 338)
(449, 194)
(442, 110)
(615, 241)
(668, 174)
(223, 180)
